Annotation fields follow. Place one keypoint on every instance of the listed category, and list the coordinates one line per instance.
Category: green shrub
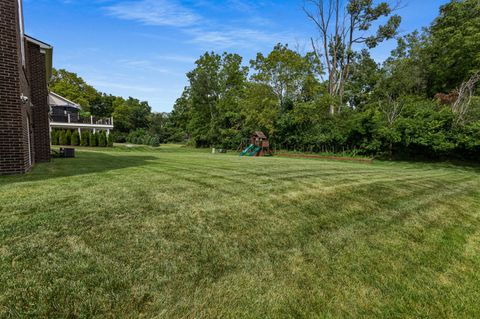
(68, 137)
(54, 137)
(177, 137)
(57, 137)
(85, 140)
(140, 136)
(118, 137)
(136, 137)
(92, 140)
(62, 139)
(154, 141)
(75, 140)
(110, 140)
(97, 135)
(145, 140)
(102, 139)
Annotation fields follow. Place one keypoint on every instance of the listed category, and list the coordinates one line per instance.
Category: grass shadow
(83, 164)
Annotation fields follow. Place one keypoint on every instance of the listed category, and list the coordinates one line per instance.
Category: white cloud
(209, 34)
(155, 12)
(147, 65)
(179, 58)
(123, 86)
(238, 37)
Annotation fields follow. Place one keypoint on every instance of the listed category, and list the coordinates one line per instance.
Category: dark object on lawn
(64, 153)
(218, 150)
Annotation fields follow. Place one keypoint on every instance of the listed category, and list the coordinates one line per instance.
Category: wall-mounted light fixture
(24, 99)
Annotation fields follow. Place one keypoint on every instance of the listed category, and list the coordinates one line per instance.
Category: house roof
(48, 50)
(57, 100)
(260, 134)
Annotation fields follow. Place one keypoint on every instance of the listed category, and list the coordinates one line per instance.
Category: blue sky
(143, 48)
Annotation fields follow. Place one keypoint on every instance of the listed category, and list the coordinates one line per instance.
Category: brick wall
(14, 152)
(39, 99)
(27, 130)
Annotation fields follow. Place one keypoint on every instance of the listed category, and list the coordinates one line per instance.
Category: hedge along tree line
(86, 138)
(141, 136)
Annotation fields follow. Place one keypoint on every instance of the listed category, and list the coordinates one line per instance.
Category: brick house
(25, 67)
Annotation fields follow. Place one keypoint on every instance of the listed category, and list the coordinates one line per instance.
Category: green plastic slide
(255, 151)
(248, 149)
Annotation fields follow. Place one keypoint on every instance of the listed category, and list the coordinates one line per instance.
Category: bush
(177, 137)
(102, 139)
(92, 139)
(141, 137)
(110, 140)
(85, 140)
(62, 139)
(68, 137)
(75, 140)
(54, 137)
(136, 137)
(154, 141)
(145, 140)
(118, 137)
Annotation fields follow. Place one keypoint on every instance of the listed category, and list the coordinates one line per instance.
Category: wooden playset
(259, 146)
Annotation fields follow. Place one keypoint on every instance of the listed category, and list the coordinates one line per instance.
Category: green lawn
(178, 233)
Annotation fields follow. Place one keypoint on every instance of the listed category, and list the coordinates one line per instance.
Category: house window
(22, 40)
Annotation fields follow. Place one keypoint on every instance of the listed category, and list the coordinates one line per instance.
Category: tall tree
(216, 84)
(466, 92)
(74, 88)
(285, 71)
(343, 26)
(131, 114)
(260, 108)
(365, 74)
(204, 92)
(102, 105)
(180, 115)
(454, 45)
(404, 72)
(233, 78)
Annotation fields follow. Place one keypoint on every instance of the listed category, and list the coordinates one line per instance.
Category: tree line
(421, 102)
